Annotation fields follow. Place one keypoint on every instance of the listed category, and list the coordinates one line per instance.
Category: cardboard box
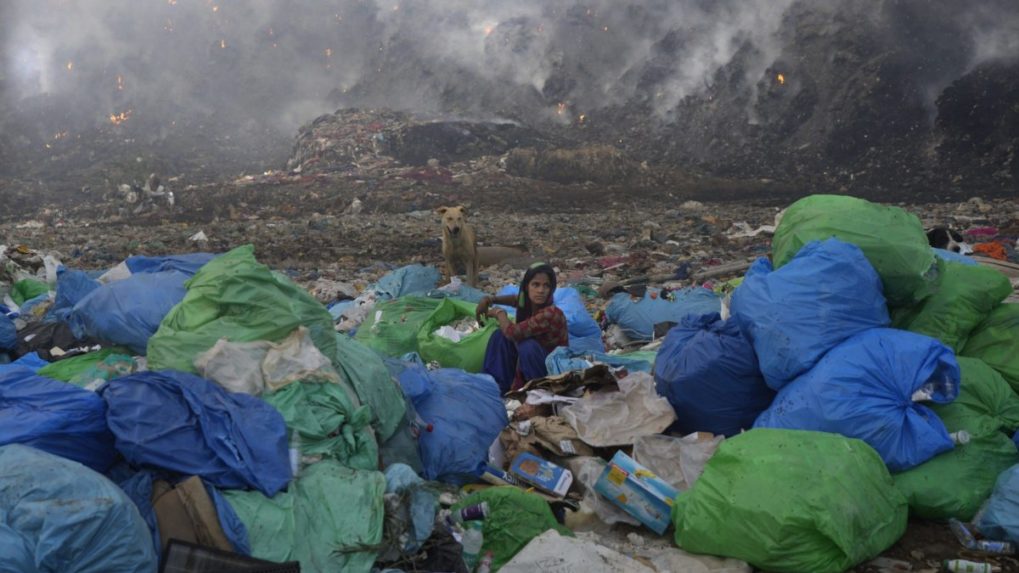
(638, 492)
(542, 474)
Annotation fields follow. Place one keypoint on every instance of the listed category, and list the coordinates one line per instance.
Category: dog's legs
(472, 271)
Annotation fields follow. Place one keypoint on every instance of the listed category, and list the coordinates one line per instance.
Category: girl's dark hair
(524, 310)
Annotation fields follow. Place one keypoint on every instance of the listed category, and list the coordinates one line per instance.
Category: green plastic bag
(330, 519)
(892, 239)
(956, 483)
(77, 367)
(329, 422)
(515, 518)
(392, 327)
(237, 298)
(368, 375)
(965, 295)
(791, 500)
(469, 353)
(996, 342)
(27, 289)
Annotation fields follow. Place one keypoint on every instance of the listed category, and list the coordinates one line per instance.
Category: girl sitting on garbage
(516, 352)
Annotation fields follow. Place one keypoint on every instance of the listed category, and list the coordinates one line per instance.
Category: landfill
(829, 393)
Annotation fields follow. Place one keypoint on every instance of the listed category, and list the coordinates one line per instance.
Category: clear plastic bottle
(294, 440)
(472, 541)
(962, 533)
(960, 438)
(964, 566)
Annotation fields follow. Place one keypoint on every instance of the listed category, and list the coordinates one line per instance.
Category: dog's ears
(441, 210)
(462, 209)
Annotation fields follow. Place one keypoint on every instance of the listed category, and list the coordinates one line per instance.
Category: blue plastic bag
(828, 292)
(707, 370)
(29, 362)
(865, 387)
(954, 257)
(464, 413)
(563, 360)
(185, 424)
(638, 318)
(128, 311)
(72, 286)
(188, 263)
(585, 334)
(8, 333)
(999, 518)
(55, 417)
(404, 281)
(60, 516)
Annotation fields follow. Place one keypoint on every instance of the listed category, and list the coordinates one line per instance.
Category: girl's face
(539, 289)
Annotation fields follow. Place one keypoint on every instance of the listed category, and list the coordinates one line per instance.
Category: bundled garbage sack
(585, 334)
(392, 327)
(464, 414)
(794, 315)
(85, 368)
(235, 297)
(515, 518)
(27, 289)
(61, 516)
(128, 312)
(638, 318)
(956, 483)
(187, 263)
(707, 370)
(566, 359)
(330, 519)
(263, 366)
(329, 422)
(467, 353)
(872, 387)
(55, 417)
(999, 519)
(604, 419)
(410, 512)
(996, 342)
(185, 424)
(406, 281)
(72, 286)
(787, 500)
(365, 371)
(965, 295)
(892, 239)
(8, 334)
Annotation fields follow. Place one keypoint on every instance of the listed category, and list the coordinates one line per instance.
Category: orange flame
(561, 107)
(119, 118)
(120, 82)
(222, 43)
(329, 52)
(781, 79)
(70, 66)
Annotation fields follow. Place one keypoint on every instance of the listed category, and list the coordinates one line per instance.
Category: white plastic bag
(678, 461)
(553, 552)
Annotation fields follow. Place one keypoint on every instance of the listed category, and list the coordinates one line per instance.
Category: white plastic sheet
(678, 461)
(553, 552)
(618, 418)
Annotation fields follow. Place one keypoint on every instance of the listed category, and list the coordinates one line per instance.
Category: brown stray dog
(459, 245)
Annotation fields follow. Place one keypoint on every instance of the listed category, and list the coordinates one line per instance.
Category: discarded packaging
(542, 474)
(638, 491)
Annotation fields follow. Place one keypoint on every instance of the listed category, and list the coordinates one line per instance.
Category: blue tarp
(60, 516)
(638, 318)
(707, 370)
(465, 414)
(794, 315)
(864, 389)
(405, 281)
(999, 518)
(566, 359)
(54, 417)
(585, 334)
(128, 311)
(188, 425)
(8, 333)
(188, 263)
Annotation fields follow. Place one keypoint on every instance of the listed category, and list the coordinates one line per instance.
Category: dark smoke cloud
(282, 62)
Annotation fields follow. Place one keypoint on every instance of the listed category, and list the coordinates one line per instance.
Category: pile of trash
(203, 405)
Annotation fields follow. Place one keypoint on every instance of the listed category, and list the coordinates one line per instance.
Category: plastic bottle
(472, 541)
(962, 533)
(295, 453)
(959, 438)
(472, 512)
(964, 566)
(486, 563)
(999, 547)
